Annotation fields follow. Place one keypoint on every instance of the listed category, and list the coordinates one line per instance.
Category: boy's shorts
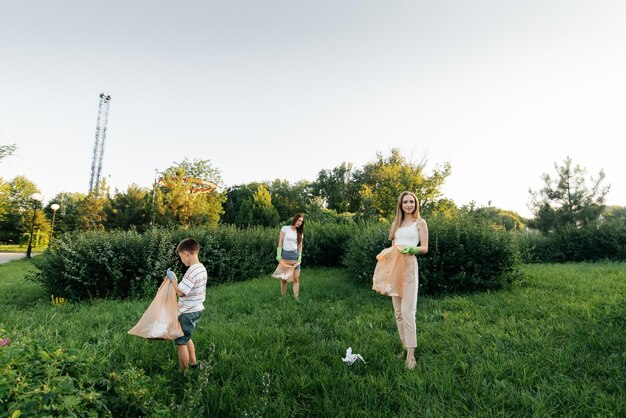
(188, 322)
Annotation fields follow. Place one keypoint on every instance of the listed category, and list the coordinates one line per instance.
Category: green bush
(127, 264)
(595, 242)
(39, 380)
(325, 243)
(463, 256)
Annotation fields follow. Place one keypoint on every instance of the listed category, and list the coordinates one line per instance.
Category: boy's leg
(183, 356)
(191, 350)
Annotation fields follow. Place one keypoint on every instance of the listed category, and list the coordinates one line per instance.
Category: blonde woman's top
(407, 235)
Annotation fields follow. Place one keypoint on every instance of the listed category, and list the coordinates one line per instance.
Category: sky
(501, 90)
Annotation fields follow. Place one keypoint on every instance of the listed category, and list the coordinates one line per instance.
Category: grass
(6, 248)
(552, 345)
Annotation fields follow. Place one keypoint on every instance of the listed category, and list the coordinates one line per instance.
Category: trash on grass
(351, 358)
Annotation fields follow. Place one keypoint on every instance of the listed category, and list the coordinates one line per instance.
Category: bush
(325, 244)
(594, 242)
(127, 264)
(40, 380)
(463, 256)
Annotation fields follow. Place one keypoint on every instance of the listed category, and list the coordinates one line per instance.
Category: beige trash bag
(389, 273)
(160, 321)
(285, 269)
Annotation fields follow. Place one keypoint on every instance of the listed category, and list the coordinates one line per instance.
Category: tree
(500, 218)
(176, 203)
(94, 208)
(263, 212)
(615, 213)
(379, 183)
(199, 169)
(131, 208)
(67, 218)
(6, 150)
(16, 209)
(567, 200)
(289, 199)
(333, 185)
(238, 198)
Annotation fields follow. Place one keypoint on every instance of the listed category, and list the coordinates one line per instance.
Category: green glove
(299, 257)
(279, 252)
(410, 250)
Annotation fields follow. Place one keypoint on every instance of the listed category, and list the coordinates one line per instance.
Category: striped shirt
(193, 285)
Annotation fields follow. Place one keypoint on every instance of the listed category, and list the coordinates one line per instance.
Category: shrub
(325, 244)
(127, 264)
(41, 380)
(595, 242)
(463, 255)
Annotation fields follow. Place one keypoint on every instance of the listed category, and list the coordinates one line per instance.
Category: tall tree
(333, 186)
(94, 208)
(67, 217)
(16, 208)
(177, 202)
(263, 212)
(566, 199)
(380, 183)
(236, 198)
(129, 209)
(289, 199)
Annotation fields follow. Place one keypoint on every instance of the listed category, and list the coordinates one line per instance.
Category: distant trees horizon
(340, 194)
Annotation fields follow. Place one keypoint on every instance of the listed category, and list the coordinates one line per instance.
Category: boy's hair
(188, 244)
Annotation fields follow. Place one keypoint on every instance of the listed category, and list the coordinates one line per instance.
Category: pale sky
(282, 89)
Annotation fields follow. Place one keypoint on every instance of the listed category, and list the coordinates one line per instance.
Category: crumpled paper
(351, 358)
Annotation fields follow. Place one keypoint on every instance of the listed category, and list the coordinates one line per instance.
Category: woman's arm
(279, 249)
(422, 230)
(281, 237)
(300, 250)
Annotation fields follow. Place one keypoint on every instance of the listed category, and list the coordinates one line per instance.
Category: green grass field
(19, 249)
(552, 345)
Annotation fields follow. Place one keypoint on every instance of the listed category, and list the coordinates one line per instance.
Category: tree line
(340, 194)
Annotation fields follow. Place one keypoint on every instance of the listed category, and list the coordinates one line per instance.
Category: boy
(191, 293)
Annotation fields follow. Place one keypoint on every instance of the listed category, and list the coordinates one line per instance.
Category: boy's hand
(171, 275)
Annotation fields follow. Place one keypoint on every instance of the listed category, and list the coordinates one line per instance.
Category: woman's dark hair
(299, 229)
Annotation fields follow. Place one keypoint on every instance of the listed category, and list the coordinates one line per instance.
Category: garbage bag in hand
(285, 269)
(160, 321)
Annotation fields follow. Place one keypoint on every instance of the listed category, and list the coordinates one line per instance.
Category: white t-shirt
(407, 235)
(290, 241)
(193, 285)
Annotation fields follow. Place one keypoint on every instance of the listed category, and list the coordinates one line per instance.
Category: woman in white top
(410, 232)
(290, 248)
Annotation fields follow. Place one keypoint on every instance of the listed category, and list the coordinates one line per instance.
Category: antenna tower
(98, 143)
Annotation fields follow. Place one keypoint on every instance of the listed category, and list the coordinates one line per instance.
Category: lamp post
(38, 198)
(54, 207)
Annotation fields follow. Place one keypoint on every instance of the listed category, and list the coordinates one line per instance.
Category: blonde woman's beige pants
(405, 306)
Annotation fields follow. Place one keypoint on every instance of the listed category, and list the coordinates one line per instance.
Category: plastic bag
(285, 269)
(388, 276)
(351, 358)
(160, 320)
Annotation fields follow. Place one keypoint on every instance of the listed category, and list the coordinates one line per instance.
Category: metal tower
(98, 144)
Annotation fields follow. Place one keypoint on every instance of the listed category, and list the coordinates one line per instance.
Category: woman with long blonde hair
(409, 235)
